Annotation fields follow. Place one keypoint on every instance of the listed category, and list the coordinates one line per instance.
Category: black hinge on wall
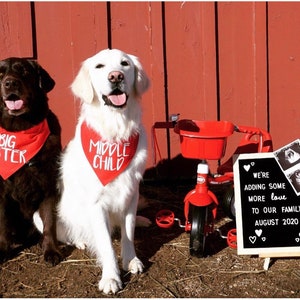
(33, 30)
(108, 16)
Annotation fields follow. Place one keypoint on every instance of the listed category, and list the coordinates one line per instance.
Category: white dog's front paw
(135, 266)
(110, 285)
(80, 245)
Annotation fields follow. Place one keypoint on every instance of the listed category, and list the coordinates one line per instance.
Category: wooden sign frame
(263, 201)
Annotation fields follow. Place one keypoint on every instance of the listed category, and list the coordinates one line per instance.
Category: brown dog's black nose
(115, 76)
(11, 83)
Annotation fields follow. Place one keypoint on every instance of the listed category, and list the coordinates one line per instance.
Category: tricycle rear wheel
(228, 203)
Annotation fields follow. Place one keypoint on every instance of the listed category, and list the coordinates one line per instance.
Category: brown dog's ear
(46, 83)
(142, 81)
(82, 86)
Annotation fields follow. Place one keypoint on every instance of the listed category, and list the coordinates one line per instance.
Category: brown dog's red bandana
(107, 159)
(17, 148)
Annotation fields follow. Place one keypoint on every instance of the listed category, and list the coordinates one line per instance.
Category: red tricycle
(207, 140)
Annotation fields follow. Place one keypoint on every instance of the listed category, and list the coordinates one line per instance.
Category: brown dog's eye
(99, 66)
(2, 72)
(125, 63)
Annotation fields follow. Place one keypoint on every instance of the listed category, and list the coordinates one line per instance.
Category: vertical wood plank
(16, 29)
(243, 65)
(284, 69)
(191, 61)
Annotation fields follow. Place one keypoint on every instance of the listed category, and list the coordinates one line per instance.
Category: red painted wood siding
(284, 71)
(236, 61)
(16, 29)
(242, 43)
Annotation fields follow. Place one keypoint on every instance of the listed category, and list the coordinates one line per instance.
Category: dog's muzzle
(11, 88)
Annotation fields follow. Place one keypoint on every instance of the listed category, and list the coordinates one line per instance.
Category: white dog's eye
(99, 66)
(125, 63)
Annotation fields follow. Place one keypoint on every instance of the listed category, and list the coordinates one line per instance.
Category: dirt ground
(169, 270)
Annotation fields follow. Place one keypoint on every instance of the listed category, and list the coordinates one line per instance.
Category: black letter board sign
(267, 201)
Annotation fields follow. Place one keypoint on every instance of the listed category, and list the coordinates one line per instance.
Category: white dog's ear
(142, 81)
(82, 86)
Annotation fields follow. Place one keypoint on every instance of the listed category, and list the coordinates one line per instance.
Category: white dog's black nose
(115, 76)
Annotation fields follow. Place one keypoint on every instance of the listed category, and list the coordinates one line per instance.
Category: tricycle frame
(206, 140)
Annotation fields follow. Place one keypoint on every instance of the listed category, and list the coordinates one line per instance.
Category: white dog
(104, 163)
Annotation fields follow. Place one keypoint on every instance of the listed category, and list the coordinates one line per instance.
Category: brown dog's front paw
(4, 250)
(3, 256)
(53, 256)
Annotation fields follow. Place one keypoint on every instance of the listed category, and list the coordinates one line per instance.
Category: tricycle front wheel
(199, 217)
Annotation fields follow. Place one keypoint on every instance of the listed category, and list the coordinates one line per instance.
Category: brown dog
(30, 147)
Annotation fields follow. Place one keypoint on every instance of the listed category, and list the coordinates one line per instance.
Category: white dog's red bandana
(17, 148)
(107, 159)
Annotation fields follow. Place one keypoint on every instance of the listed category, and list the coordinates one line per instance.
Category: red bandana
(17, 148)
(107, 159)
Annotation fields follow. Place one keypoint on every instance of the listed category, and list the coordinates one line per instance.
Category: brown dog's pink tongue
(117, 100)
(14, 105)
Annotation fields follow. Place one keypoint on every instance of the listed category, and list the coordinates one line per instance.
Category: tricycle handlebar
(265, 139)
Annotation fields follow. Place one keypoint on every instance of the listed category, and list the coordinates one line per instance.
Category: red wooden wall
(236, 61)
